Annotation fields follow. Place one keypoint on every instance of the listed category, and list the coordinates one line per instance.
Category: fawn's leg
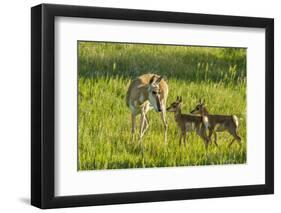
(187, 137)
(184, 137)
(236, 137)
(203, 135)
(210, 134)
(207, 140)
(230, 144)
(181, 138)
(215, 136)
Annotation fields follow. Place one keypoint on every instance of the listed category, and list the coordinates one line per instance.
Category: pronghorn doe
(146, 92)
(219, 123)
(189, 123)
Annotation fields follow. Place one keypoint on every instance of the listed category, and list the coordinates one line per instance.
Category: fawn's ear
(203, 103)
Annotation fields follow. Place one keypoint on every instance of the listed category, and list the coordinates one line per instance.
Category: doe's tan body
(146, 92)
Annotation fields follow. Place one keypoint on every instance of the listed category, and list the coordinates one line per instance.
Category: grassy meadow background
(104, 121)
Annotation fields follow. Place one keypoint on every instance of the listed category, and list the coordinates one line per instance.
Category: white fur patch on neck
(152, 101)
(206, 122)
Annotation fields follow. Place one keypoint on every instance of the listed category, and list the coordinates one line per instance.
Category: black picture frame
(43, 105)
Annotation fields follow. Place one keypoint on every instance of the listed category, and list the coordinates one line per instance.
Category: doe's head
(175, 106)
(154, 93)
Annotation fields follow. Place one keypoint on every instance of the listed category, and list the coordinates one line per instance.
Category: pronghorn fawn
(219, 123)
(146, 92)
(189, 123)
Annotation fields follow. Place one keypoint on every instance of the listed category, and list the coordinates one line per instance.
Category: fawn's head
(200, 108)
(154, 93)
(175, 106)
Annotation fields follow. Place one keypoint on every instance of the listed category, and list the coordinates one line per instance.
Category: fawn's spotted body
(189, 123)
(219, 123)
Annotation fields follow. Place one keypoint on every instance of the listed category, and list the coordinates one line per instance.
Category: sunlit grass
(216, 74)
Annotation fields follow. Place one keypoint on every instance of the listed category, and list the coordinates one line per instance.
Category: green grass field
(104, 122)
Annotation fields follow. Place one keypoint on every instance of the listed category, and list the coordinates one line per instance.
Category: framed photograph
(140, 106)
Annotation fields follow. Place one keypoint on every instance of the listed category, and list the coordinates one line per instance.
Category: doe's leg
(184, 137)
(163, 116)
(142, 121)
(133, 116)
(146, 124)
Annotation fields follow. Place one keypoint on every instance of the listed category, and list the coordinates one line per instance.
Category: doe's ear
(159, 79)
(152, 80)
(165, 78)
